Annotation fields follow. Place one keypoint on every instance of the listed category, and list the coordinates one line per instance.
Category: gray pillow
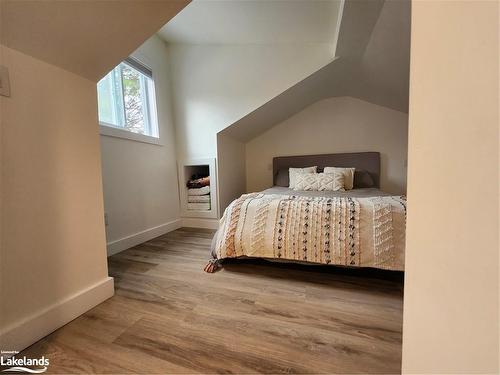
(363, 179)
(282, 178)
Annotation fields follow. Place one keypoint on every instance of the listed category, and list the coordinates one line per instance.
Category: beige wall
(53, 242)
(451, 311)
(333, 125)
(231, 170)
(140, 179)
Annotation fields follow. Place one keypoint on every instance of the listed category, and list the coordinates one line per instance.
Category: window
(126, 101)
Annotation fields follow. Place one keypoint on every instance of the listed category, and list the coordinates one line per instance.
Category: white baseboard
(115, 247)
(25, 332)
(194, 222)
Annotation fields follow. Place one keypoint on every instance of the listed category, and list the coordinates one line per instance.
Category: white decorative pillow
(293, 172)
(348, 175)
(320, 181)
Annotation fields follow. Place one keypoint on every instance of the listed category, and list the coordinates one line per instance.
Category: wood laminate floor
(168, 316)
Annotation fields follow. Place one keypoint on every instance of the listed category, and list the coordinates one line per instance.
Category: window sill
(109, 131)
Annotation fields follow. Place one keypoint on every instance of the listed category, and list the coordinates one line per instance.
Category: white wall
(141, 196)
(215, 85)
(451, 307)
(231, 170)
(52, 251)
(342, 124)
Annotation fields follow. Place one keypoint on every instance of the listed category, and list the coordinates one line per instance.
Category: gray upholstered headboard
(362, 161)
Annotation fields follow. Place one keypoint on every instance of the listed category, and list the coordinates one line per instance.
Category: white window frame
(110, 130)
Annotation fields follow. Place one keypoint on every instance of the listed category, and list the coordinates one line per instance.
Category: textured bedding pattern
(361, 227)
(354, 193)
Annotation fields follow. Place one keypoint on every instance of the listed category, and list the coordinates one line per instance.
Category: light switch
(4, 81)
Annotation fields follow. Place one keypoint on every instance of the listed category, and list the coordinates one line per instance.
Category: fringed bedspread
(348, 231)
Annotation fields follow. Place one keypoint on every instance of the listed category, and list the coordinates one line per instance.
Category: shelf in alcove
(188, 168)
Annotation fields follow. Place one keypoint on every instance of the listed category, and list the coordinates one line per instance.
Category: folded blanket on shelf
(199, 206)
(198, 182)
(199, 198)
(199, 191)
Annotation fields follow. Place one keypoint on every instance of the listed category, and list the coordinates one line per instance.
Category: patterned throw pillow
(293, 172)
(320, 181)
(348, 175)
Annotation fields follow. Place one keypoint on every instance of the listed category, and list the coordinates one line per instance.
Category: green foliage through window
(126, 99)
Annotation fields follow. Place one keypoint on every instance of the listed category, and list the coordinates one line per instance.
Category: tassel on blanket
(212, 266)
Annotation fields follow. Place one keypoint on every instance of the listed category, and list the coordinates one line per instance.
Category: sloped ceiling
(372, 64)
(323, 83)
(384, 69)
(254, 22)
(358, 20)
(84, 37)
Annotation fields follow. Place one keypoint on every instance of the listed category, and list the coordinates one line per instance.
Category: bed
(362, 227)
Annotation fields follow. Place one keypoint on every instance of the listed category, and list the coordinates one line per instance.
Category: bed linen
(354, 193)
(199, 191)
(199, 198)
(356, 228)
(198, 206)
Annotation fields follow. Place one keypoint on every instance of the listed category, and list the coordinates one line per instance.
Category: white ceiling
(373, 65)
(254, 22)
